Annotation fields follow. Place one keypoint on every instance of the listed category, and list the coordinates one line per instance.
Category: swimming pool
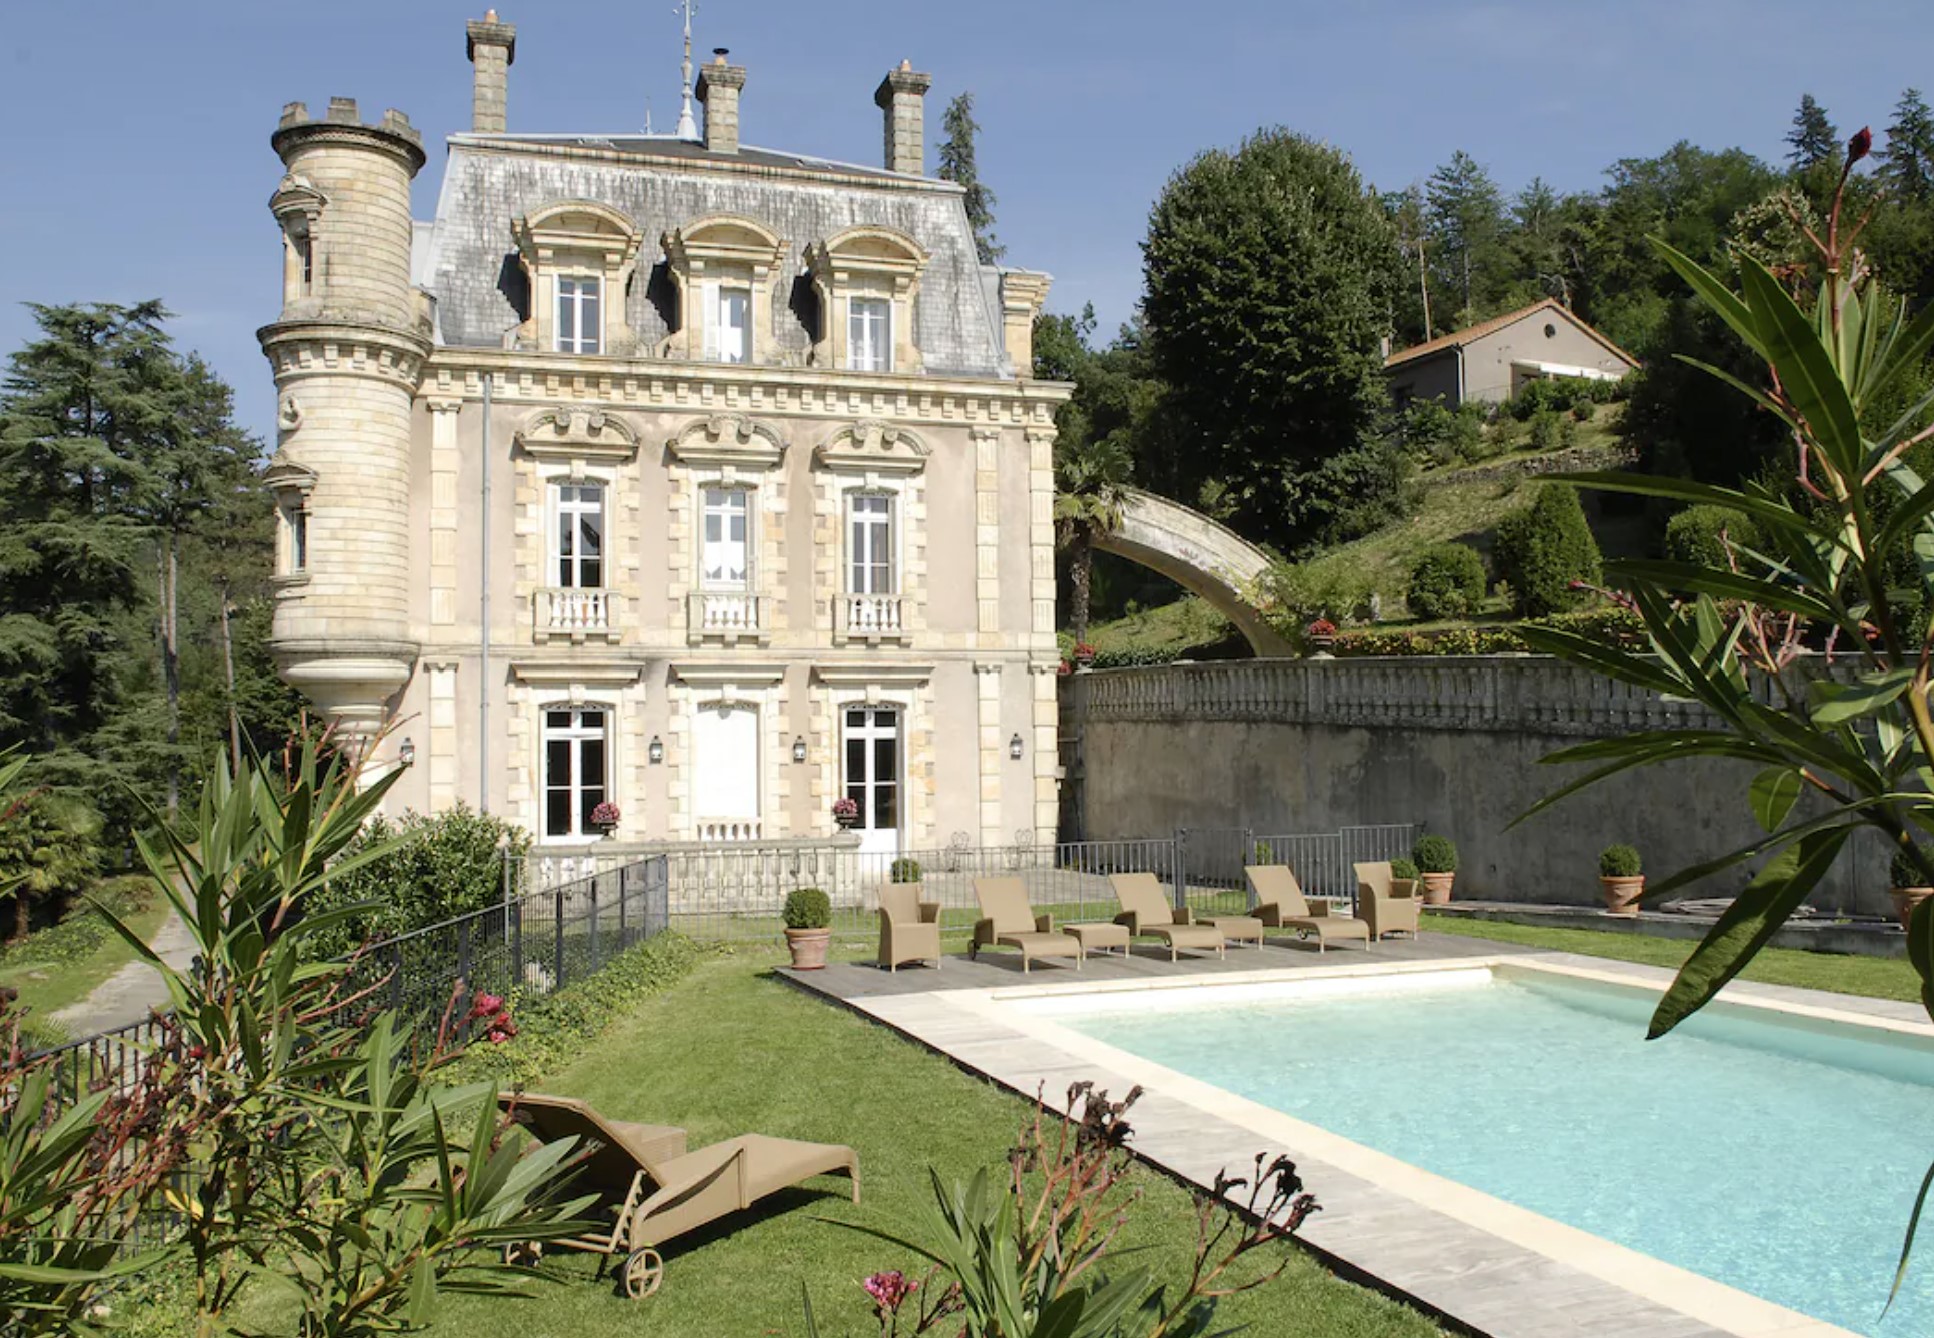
(1772, 1152)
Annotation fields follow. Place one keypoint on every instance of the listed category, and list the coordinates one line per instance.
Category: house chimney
(718, 89)
(492, 47)
(902, 95)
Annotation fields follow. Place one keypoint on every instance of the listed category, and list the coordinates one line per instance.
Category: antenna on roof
(687, 124)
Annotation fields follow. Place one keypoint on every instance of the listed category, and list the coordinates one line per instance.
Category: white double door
(874, 766)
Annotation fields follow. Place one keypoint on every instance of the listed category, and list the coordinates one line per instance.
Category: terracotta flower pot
(1906, 899)
(1437, 887)
(1622, 894)
(808, 948)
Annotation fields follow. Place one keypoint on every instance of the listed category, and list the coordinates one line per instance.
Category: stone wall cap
(723, 76)
(489, 32)
(902, 80)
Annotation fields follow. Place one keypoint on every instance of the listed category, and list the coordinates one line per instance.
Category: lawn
(734, 1048)
(1872, 977)
(52, 979)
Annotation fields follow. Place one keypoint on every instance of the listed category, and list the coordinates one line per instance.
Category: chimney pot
(718, 88)
(492, 48)
(902, 96)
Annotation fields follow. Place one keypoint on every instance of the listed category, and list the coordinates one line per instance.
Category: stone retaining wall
(1454, 743)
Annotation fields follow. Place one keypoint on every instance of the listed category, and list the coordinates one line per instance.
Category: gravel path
(130, 993)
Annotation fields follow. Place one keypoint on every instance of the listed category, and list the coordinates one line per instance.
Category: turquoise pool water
(1779, 1158)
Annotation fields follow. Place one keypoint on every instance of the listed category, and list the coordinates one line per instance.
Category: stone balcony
(869, 618)
(728, 616)
(576, 615)
(716, 831)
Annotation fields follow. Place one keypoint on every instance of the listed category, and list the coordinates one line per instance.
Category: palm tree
(1091, 491)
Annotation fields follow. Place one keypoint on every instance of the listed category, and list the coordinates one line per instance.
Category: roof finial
(687, 123)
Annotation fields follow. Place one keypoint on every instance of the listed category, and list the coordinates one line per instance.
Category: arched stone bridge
(1202, 556)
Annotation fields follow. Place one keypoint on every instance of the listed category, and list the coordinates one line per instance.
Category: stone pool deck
(1478, 1264)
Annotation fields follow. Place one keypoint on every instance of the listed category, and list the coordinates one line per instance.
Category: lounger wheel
(523, 1254)
(642, 1272)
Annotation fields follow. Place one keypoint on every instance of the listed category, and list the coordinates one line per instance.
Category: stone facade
(703, 479)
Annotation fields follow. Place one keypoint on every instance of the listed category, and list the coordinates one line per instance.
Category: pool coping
(1484, 1265)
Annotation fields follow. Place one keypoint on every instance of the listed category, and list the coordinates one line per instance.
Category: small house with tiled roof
(1495, 359)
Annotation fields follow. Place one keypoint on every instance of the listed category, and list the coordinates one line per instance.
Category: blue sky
(136, 160)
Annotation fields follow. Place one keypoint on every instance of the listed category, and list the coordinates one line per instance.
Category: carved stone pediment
(578, 433)
(285, 478)
(728, 441)
(873, 447)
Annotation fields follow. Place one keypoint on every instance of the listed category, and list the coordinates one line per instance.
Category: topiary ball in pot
(808, 914)
(1436, 861)
(903, 870)
(1908, 886)
(1622, 877)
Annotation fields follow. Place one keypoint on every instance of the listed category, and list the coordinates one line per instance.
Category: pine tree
(1812, 140)
(1467, 227)
(957, 165)
(1907, 161)
(81, 411)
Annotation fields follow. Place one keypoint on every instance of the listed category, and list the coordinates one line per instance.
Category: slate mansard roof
(468, 260)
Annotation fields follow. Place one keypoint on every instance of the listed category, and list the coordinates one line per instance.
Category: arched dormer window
(580, 256)
(724, 268)
(868, 279)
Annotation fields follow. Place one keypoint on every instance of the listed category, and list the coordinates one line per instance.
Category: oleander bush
(1446, 581)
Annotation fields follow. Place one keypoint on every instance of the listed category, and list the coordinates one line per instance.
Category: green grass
(1870, 977)
(46, 986)
(733, 1048)
(1186, 624)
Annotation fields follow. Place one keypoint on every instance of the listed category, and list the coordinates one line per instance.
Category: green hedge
(1544, 552)
(1446, 581)
(1609, 623)
(553, 1029)
(1693, 535)
(81, 930)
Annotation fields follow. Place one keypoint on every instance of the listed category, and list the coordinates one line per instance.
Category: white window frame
(574, 333)
(564, 519)
(725, 351)
(298, 513)
(901, 715)
(575, 734)
(886, 518)
(869, 314)
(748, 510)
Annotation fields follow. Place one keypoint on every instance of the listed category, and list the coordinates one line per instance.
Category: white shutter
(725, 747)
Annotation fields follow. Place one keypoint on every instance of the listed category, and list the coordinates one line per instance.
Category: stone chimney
(902, 95)
(492, 47)
(718, 89)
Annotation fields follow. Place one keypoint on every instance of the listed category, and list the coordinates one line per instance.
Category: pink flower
(486, 1004)
(890, 1290)
(1860, 145)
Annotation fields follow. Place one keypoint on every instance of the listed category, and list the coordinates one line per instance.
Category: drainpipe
(1460, 397)
(483, 621)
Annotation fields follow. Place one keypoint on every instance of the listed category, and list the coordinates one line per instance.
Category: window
(578, 322)
(869, 544)
(580, 536)
(873, 766)
(732, 328)
(298, 538)
(726, 560)
(869, 346)
(725, 758)
(574, 770)
(305, 257)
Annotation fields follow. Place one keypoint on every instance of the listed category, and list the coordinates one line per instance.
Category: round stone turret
(347, 354)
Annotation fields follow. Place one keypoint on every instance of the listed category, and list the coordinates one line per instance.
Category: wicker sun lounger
(654, 1190)
(1280, 905)
(1009, 922)
(1147, 914)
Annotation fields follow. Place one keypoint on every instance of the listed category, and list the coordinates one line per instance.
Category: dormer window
(580, 256)
(580, 328)
(297, 206)
(290, 484)
(869, 338)
(868, 280)
(725, 269)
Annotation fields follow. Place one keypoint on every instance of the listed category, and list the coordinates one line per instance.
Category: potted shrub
(1084, 653)
(1322, 635)
(846, 812)
(1436, 861)
(605, 817)
(1621, 876)
(903, 870)
(809, 917)
(1908, 886)
(1403, 877)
